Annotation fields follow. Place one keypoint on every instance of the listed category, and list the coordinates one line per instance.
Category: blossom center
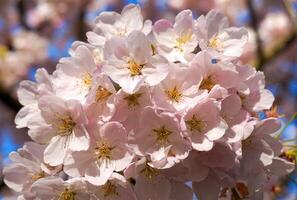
(174, 94)
(109, 189)
(67, 194)
(182, 40)
(134, 68)
(103, 151)
(66, 126)
(215, 43)
(162, 134)
(102, 94)
(207, 83)
(87, 80)
(149, 172)
(38, 175)
(133, 99)
(196, 124)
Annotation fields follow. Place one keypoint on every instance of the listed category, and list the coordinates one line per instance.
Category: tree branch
(9, 101)
(254, 24)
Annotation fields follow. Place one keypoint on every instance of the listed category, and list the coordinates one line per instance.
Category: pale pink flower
(73, 77)
(116, 188)
(203, 124)
(28, 94)
(109, 24)
(129, 106)
(240, 122)
(179, 89)
(220, 40)
(101, 98)
(176, 42)
(215, 75)
(56, 188)
(159, 136)
(62, 125)
(256, 98)
(130, 63)
(156, 184)
(26, 168)
(108, 152)
(259, 148)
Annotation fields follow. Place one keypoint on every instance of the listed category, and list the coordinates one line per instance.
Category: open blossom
(179, 89)
(158, 184)
(159, 136)
(62, 125)
(75, 74)
(215, 36)
(215, 76)
(27, 168)
(29, 92)
(130, 62)
(116, 188)
(108, 152)
(142, 114)
(109, 24)
(204, 124)
(56, 188)
(176, 42)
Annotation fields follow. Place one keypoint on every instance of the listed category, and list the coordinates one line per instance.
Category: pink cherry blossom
(160, 137)
(176, 42)
(161, 114)
(204, 124)
(130, 62)
(220, 40)
(108, 152)
(63, 127)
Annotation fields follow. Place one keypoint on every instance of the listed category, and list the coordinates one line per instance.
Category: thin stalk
(286, 126)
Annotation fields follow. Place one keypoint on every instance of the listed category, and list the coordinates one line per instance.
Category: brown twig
(291, 39)
(254, 24)
(9, 101)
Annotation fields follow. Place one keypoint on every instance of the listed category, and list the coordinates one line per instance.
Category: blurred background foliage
(36, 33)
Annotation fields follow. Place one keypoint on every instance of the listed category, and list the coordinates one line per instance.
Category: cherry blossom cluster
(147, 111)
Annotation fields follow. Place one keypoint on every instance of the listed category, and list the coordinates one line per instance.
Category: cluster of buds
(161, 111)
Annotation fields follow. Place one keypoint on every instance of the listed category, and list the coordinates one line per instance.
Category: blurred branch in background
(263, 58)
(9, 101)
(255, 26)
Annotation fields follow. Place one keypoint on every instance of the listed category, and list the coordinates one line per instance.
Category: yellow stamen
(215, 43)
(102, 94)
(3, 52)
(154, 49)
(65, 126)
(149, 172)
(273, 112)
(103, 151)
(37, 176)
(133, 99)
(182, 40)
(174, 94)
(134, 68)
(67, 194)
(207, 83)
(242, 190)
(109, 189)
(87, 80)
(196, 124)
(162, 134)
